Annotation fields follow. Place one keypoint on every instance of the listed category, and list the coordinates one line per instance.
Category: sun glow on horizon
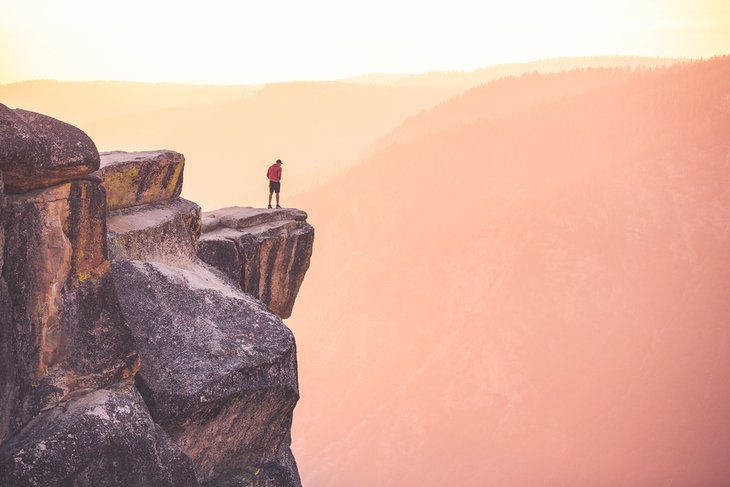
(231, 43)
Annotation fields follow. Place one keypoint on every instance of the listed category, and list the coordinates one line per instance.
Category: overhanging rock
(97, 267)
(266, 251)
(218, 369)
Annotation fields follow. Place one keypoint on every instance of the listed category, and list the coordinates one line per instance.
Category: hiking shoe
(278, 206)
(269, 206)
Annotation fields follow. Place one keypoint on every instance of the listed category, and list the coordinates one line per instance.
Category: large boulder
(65, 331)
(266, 251)
(139, 178)
(166, 231)
(218, 370)
(101, 438)
(37, 151)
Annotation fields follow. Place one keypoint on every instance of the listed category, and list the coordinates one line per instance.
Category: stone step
(218, 369)
(267, 251)
(140, 178)
(165, 231)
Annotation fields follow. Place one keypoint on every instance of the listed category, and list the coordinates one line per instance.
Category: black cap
(278, 161)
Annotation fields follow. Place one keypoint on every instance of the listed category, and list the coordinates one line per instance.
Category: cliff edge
(133, 351)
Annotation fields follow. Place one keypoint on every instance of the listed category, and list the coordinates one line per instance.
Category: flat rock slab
(166, 231)
(218, 369)
(267, 251)
(102, 438)
(37, 151)
(139, 178)
(66, 330)
(241, 217)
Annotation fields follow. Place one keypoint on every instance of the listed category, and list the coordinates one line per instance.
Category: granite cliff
(133, 351)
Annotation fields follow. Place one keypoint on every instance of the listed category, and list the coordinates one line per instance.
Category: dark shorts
(274, 186)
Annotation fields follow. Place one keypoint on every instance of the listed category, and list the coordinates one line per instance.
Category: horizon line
(362, 75)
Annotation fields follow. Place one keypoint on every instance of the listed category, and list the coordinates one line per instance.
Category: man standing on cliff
(274, 175)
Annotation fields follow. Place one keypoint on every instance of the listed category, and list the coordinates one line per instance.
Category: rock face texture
(5, 325)
(66, 331)
(218, 369)
(125, 360)
(138, 178)
(37, 151)
(166, 231)
(266, 251)
(103, 437)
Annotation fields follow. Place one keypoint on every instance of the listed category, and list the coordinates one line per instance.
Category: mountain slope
(528, 301)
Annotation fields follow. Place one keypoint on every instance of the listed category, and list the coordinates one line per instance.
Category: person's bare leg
(270, 193)
(277, 199)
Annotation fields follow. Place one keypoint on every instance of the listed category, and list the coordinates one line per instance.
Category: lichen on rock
(218, 368)
(140, 178)
(103, 296)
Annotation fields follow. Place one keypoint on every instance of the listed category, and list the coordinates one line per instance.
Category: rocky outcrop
(37, 151)
(104, 437)
(139, 178)
(218, 368)
(66, 331)
(69, 413)
(266, 251)
(125, 359)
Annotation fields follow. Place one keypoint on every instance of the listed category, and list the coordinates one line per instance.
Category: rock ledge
(266, 251)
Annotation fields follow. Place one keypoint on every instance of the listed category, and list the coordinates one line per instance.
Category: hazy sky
(225, 42)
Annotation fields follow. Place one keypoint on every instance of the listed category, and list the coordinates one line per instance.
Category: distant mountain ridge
(318, 128)
(502, 98)
(462, 80)
(81, 102)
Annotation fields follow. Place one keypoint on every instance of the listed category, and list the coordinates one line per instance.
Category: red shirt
(274, 172)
